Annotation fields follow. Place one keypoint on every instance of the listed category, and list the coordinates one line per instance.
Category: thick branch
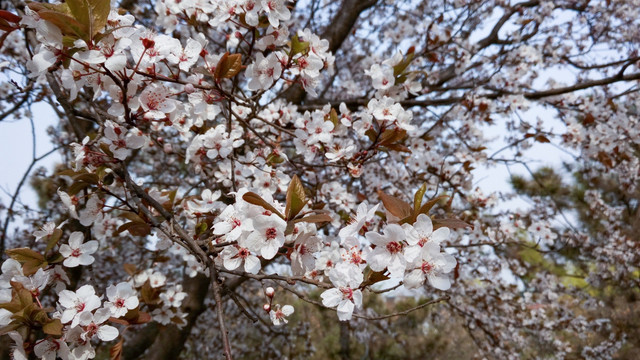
(336, 32)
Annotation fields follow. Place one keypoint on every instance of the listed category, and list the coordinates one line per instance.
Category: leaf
(67, 24)
(31, 260)
(53, 239)
(402, 65)
(9, 328)
(76, 187)
(58, 8)
(53, 327)
(398, 147)
(298, 46)
(130, 268)
(391, 136)
(397, 207)
(451, 223)
(228, 66)
(149, 295)
(296, 198)
(333, 117)
(374, 277)
(371, 134)
(429, 204)
(10, 17)
(89, 178)
(417, 198)
(135, 228)
(315, 218)
(605, 159)
(91, 13)
(201, 228)
(255, 199)
(115, 353)
(119, 321)
(142, 318)
(541, 139)
(55, 258)
(21, 298)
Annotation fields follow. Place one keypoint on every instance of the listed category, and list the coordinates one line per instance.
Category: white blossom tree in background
(240, 177)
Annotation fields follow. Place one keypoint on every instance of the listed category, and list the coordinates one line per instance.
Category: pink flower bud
(266, 307)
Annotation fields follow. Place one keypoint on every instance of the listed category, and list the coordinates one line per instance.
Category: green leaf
(429, 204)
(298, 46)
(402, 65)
(333, 117)
(417, 198)
(53, 327)
(255, 199)
(53, 239)
(201, 228)
(91, 13)
(296, 198)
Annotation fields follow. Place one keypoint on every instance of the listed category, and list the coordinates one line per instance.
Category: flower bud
(148, 43)
(269, 292)
(266, 307)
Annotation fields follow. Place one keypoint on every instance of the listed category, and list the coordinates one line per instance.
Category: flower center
(427, 267)
(243, 253)
(347, 293)
(394, 247)
(92, 329)
(76, 253)
(423, 241)
(80, 307)
(271, 233)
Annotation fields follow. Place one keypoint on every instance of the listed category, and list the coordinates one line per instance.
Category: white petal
(89, 247)
(232, 263)
(252, 264)
(287, 310)
(107, 333)
(131, 303)
(439, 281)
(331, 297)
(76, 239)
(440, 235)
(413, 279)
(345, 309)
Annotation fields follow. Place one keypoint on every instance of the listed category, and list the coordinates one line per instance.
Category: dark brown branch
(336, 32)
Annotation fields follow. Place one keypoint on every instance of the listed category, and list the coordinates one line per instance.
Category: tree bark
(170, 340)
(345, 341)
